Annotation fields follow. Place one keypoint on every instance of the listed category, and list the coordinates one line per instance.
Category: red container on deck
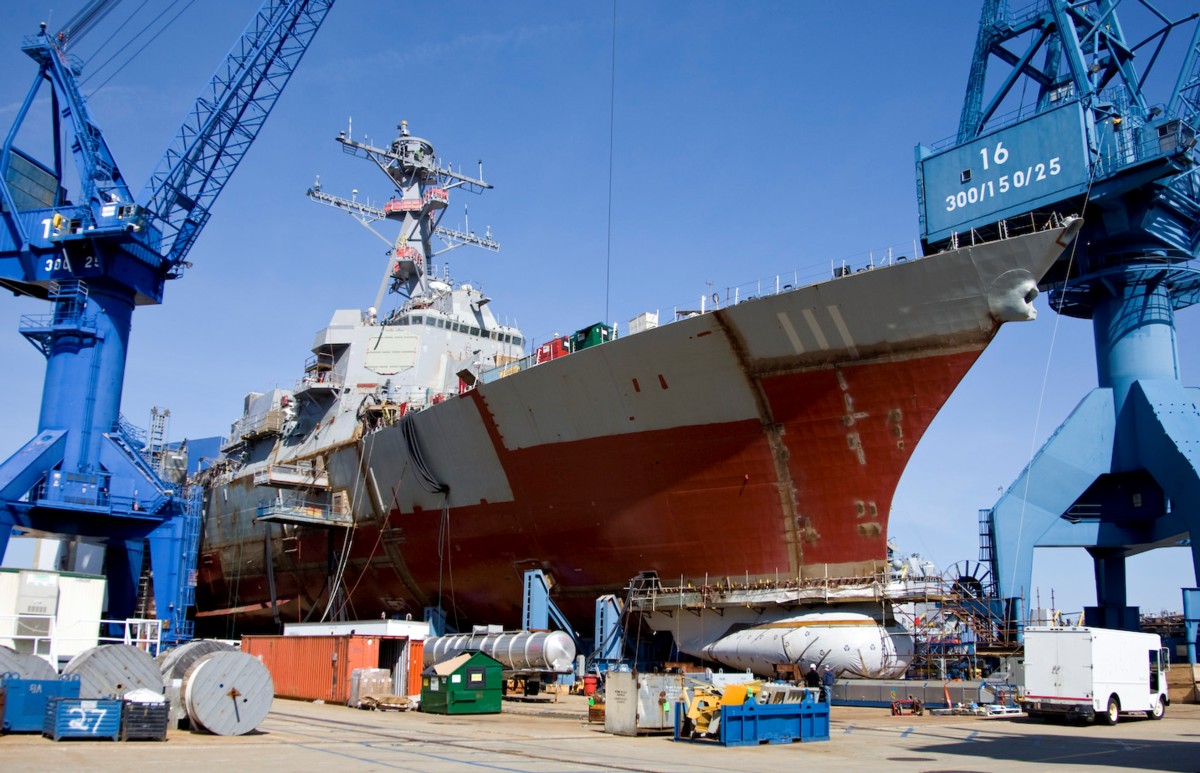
(319, 667)
(589, 685)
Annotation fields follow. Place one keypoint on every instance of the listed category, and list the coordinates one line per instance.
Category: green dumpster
(470, 683)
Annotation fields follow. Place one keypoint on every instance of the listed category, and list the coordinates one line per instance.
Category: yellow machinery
(704, 702)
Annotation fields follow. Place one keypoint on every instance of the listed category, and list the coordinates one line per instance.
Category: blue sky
(749, 139)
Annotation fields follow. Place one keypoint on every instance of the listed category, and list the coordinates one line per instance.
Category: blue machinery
(1066, 124)
(538, 609)
(97, 255)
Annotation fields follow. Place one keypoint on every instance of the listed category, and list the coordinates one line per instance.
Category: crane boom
(225, 120)
(95, 259)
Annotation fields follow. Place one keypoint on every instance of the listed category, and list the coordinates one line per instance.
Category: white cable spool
(111, 670)
(26, 665)
(227, 693)
(174, 663)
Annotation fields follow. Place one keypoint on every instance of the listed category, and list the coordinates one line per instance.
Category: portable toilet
(468, 683)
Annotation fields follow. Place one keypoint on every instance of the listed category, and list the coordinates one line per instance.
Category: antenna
(422, 194)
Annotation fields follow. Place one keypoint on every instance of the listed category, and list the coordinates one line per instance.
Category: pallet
(385, 703)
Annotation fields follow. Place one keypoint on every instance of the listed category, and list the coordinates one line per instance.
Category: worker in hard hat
(813, 677)
(827, 681)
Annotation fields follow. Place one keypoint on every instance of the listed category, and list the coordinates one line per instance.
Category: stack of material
(1183, 683)
(368, 682)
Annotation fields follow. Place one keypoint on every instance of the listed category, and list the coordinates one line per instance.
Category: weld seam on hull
(774, 436)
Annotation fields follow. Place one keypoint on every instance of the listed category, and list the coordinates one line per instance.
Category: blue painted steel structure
(96, 256)
(1120, 476)
(609, 637)
(538, 609)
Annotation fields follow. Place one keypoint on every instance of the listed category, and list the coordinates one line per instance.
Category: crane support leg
(166, 561)
(1168, 423)
(1191, 620)
(539, 609)
(1077, 493)
(1110, 576)
(6, 530)
(124, 560)
(1079, 451)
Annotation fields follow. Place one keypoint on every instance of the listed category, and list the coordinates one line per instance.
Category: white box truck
(1084, 673)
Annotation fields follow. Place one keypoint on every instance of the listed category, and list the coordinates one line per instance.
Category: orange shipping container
(416, 664)
(319, 667)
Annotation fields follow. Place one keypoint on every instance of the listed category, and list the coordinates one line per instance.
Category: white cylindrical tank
(516, 650)
(853, 644)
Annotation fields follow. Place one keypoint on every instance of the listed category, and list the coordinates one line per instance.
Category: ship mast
(422, 192)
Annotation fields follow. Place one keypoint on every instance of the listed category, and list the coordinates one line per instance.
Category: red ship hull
(763, 441)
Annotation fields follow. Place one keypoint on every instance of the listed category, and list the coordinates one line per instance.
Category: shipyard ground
(556, 737)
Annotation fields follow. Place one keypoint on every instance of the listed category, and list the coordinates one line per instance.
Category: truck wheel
(1159, 709)
(1112, 713)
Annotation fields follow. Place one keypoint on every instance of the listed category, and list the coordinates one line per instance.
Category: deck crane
(1061, 115)
(96, 255)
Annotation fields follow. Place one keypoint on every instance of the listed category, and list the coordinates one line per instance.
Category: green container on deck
(591, 336)
(469, 683)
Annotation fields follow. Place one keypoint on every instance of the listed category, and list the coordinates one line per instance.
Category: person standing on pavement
(813, 678)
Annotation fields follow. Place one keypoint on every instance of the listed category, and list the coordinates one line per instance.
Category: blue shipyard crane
(1063, 112)
(95, 255)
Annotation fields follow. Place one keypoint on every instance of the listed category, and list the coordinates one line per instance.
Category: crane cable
(1095, 165)
(360, 485)
(69, 37)
(612, 113)
(142, 47)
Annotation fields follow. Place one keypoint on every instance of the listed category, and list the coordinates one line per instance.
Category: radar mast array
(423, 192)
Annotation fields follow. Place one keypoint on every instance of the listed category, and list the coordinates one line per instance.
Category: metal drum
(111, 670)
(227, 693)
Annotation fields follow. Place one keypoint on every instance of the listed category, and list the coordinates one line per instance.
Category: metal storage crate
(640, 703)
(78, 718)
(144, 721)
(25, 700)
(753, 723)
